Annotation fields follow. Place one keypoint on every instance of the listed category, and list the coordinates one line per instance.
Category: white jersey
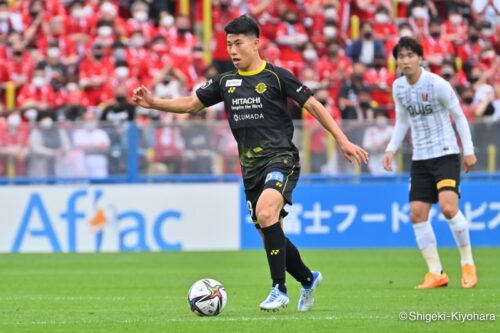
(427, 104)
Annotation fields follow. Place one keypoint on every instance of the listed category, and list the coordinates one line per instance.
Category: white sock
(460, 229)
(426, 241)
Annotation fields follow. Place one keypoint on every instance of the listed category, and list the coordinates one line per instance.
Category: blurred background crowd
(67, 70)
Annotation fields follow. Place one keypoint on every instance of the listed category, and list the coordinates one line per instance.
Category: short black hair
(408, 43)
(243, 25)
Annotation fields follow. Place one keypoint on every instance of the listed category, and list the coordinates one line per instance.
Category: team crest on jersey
(233, 83)
(261, 88)
(425, 97)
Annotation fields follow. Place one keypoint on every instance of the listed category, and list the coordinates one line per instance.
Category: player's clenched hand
(469, 162)
(143, 97)
(387, 161)
(353, 153)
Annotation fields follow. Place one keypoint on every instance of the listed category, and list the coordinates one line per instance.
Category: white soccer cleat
(275, 301)
(306, 300)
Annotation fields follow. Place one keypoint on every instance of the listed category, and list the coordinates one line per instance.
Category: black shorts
(279, 176)
(429, 177)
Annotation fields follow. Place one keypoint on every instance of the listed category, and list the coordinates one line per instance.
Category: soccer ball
(207, 297)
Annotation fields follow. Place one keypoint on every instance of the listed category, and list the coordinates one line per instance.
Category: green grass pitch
(363, 290)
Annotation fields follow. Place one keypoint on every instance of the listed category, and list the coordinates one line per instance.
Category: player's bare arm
(469, 162)
(351, 151)
(189, 104)
(387, 161)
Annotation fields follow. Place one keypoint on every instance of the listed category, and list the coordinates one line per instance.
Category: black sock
(295, 266)
(275, 244)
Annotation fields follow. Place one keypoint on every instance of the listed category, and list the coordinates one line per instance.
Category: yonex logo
(231, 90)
(233, 83)
(275, 252)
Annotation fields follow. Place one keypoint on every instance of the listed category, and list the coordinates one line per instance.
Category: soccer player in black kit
(255, 100)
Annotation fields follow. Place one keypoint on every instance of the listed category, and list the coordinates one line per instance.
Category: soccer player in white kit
(424, 102)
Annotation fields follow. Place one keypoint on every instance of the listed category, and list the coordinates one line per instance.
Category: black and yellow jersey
(256, 107)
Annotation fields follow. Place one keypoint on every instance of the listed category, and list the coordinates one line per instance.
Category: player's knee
(265, 217)
(417, 216)
(449, 210)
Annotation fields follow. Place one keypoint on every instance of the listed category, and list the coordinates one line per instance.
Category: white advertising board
(143, 217)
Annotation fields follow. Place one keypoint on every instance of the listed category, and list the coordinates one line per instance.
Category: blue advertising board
(326, 215)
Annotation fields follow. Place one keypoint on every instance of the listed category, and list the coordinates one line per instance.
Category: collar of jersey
(257, 71)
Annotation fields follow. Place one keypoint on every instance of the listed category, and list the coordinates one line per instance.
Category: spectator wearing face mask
(325, 27)
(310, 55)
(383, 25)
(435, 46)
(488, 59)
(79, 22)
(404, 30)
(181, 44)
(366, 9)
(18, 68)
(48, 146)
(13, 146)
(349, 91)
(366, 48)
(334, 68)
(54, 62)
(458, 80)
(105, 35)
(37, 96)
(380, 81)
(291, 37)
(140, 21)
(57, 38)
(466, 98)
(158, 58)
(221, 14)
(120, 109)
(94, 72)
(120, 78)
(166, 23)
(420, 13)
(266, 12)
(106, 11)
(318, 138)
(455, 28)
(375, 139)
(94, 142)
(470, 50)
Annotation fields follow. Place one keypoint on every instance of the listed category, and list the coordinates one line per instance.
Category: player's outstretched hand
(353, 153)
(387, 161)
(143, 97)
(469, 162)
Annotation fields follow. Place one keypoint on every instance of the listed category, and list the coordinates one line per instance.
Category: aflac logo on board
(98, 227)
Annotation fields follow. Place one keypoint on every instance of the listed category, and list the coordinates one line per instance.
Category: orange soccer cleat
(469, 276)
(432, 280)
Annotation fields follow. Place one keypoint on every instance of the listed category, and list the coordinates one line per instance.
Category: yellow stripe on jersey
(257, 71)
(277, 78)
(446, 183)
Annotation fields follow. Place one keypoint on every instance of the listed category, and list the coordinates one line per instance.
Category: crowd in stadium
(65, 61)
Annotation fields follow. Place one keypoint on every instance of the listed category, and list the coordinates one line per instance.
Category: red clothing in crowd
(336, 71)
(43, 96)
(18, 137)
(439, 48)
(380, 81)
(91, 69)
(220, 19)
